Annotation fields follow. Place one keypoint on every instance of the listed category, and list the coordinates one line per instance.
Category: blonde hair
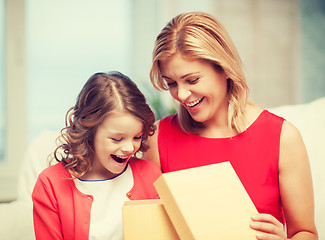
(198, 35)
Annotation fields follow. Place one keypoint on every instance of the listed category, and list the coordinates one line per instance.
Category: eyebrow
(184, 76)
(123, 133)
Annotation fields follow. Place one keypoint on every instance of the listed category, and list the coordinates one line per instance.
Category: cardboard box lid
(147, 220)
(207, 202)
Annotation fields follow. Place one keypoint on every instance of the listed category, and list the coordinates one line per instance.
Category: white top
(106, 211)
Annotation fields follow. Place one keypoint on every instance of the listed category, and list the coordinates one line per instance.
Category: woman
(196, 61)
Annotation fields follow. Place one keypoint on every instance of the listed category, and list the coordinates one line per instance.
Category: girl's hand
(268, 227)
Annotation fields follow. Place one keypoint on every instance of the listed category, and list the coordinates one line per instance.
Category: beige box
(147, 220)
(207, 202)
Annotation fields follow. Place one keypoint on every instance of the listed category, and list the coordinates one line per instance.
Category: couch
(309, 118)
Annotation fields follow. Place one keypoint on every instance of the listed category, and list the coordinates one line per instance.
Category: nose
(128, 147)
(183, 93)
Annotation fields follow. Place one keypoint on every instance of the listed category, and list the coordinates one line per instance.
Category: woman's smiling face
(116, 140)
(198, 85)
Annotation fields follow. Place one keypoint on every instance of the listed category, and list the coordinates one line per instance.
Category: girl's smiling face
(198, 85)
(116, 140)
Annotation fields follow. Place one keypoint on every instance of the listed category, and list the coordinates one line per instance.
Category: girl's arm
(46, 218)
(296, 190)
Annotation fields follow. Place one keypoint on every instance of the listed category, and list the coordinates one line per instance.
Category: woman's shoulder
(169, 126)
(169, 119)
(290, 135)
(254, 113)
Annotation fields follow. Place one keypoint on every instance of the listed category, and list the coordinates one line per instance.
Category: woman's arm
(296, 192)
(152, 153)
(296, 186)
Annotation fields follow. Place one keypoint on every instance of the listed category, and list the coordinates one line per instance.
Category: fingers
(267, 227)
(267, 218)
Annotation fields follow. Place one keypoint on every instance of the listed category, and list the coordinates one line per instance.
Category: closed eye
(171, 84)
(138, 137)
(193, 81)
(117, 139)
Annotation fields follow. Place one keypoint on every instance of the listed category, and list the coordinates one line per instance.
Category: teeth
(192, 104)
(119, 159)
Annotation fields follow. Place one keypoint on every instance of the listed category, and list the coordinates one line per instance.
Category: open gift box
(207, 202)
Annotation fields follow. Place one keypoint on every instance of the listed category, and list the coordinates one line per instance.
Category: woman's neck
(217, 131)
(218, 127)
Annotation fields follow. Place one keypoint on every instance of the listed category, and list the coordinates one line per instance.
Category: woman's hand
(268, 227)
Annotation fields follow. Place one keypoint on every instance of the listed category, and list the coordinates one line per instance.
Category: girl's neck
(94, 175)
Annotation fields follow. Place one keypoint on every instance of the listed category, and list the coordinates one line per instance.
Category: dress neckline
(237, 135)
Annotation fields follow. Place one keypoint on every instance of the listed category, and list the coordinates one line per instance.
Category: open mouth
(194, 103)
(119, 159)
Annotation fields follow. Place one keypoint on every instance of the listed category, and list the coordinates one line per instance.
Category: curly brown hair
(102, 93)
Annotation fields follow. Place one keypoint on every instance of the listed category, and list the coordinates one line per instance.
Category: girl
(81, 197)
(196, 61)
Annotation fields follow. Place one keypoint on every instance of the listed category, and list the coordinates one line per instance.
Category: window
(12, 103)
(2, 81)
(65, 47)
(63, 42)
(313, 49)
